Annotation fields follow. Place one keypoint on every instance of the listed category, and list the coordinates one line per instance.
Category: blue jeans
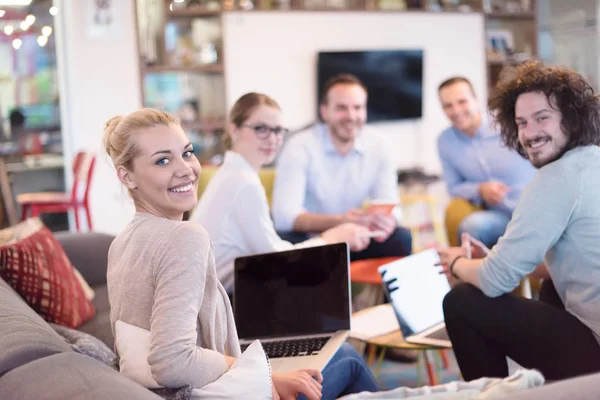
(485, 226)
(346, 373)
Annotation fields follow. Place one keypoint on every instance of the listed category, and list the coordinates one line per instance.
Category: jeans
(485, 226)
(346, 373)
(536, 334)
(399, 244)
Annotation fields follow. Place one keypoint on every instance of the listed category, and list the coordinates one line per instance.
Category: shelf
(510, 15)
(194, 12)
(208, 69)
(205, 125)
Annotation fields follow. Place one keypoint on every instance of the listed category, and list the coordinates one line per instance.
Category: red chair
(59, 202)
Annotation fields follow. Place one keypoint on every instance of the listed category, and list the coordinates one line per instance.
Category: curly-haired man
(551, 116)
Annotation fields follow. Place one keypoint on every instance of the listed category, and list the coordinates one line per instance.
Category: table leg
(430, 369)
(445, 361)
(379, 362)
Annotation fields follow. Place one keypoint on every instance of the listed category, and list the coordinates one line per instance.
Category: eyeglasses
(263, 131)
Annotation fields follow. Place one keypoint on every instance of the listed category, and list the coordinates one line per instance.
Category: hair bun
(109, 128)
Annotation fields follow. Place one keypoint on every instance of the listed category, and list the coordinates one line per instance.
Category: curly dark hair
(567, 92)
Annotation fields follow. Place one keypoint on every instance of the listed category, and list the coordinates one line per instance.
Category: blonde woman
(162, 281)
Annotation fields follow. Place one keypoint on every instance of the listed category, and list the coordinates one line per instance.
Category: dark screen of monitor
(394, 80)
(298, 292)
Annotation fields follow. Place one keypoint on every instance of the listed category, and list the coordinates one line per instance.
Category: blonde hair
(120, 133)
(243, 108)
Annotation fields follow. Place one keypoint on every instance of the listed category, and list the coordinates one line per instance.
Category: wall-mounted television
(394, 80)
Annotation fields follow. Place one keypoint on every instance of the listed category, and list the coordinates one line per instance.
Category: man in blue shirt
(324, 175)
(477, 167)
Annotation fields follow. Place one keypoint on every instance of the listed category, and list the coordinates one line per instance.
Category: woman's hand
(230, 361)
(305, 381)
(357, 236)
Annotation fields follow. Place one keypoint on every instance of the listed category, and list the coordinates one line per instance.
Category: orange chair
(59, 202)
(365, 271)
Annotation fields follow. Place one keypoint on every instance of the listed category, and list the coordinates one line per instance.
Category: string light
(42, 40)
(24, 25)
(2, 12)
(30, 19)
(16, 43)
(46, 30)
(53, 11)
(9, 29)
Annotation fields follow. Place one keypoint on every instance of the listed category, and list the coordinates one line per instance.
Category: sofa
(37, 363)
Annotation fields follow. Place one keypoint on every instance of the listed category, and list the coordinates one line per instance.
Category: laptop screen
(416, 289)
(296, 292)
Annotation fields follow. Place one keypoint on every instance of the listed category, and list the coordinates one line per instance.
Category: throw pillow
(38, 269)
(28, 227)
(86, 344)
(248, 378)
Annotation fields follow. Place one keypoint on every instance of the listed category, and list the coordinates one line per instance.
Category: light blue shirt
(468, 161)
(312, 176)
(557, 220)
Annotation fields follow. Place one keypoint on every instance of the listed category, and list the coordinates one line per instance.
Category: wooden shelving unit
(523, 27)
(208, 69)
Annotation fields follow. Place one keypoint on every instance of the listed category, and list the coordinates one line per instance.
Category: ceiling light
(9, 29)
(24, 25)
(46, 30)
(2, 12)
(53, 10)
(17, 43)
(42, 40)
(15, 2)
(30, 19)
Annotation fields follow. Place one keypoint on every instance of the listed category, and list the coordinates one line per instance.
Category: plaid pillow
(38, 269)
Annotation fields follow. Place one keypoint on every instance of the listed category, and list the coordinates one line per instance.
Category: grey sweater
(161, 277)
(557, 220)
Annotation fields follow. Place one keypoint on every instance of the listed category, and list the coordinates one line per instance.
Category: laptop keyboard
(292, 348)
(440, 334)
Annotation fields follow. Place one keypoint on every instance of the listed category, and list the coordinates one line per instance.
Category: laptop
(416, 290)
(296, 302)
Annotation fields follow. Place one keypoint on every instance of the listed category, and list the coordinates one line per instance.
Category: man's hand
(385, 223)
(447, 256)
(493, 192)
(290, 384)
(478, 249)
(470, 248)
(358, 217)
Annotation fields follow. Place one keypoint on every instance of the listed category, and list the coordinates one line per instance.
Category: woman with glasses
(234, 207)
(235, 212)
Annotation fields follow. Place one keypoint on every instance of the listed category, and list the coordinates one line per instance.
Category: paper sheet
(374, 322)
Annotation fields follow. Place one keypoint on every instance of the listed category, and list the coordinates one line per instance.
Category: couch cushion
(69, 376)
(24, 335)
(99, 326)
(88, 252)
(38, 269)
